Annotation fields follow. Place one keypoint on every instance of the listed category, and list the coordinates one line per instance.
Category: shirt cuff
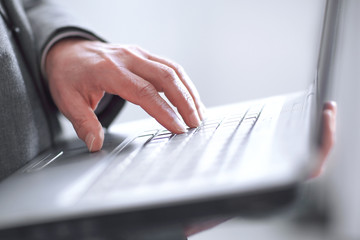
(67, 34)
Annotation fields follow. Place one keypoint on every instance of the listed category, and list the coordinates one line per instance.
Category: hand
(79, 72)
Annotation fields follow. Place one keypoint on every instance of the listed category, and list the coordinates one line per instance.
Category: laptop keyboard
(159, 156)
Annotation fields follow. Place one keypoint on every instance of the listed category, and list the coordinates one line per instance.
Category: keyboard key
(160, 156)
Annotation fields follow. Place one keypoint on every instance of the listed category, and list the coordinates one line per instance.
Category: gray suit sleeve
(48, 21)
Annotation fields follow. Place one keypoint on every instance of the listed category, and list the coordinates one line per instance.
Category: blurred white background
(233, 50)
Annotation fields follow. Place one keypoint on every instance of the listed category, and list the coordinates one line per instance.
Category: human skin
(328, 137)
(328, 140)
(79, 72)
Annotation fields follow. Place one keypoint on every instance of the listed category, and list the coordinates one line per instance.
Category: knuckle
(125, 52)
(106, 66)
(122, 51)
(190, 101)
(146, 90)
(178, 67)
(188, 97)
(105, 62)
(139, 50)
(129, 53)
(135, 47)
(168, 74)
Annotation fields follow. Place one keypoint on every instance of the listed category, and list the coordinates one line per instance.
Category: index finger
(183, 76)
(140, 92)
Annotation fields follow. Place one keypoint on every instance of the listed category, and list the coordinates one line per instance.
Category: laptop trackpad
(73, 151)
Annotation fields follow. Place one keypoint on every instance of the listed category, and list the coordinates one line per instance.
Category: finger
(329, 126)
(328, 133)
(183, 76)
(165, 79)
(140, 92)
(331, 105)
(85, 122)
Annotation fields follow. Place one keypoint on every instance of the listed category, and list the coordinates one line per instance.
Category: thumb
(87, 126)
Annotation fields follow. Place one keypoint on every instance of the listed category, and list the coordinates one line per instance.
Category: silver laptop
(245, 158)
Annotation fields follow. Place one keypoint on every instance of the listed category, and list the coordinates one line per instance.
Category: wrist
(57, 53)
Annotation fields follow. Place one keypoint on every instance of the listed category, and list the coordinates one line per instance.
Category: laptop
(245, 158)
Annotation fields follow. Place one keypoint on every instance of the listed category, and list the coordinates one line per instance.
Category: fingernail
(334, 104)
(89, 141)
(194, 119)
(180, 127)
